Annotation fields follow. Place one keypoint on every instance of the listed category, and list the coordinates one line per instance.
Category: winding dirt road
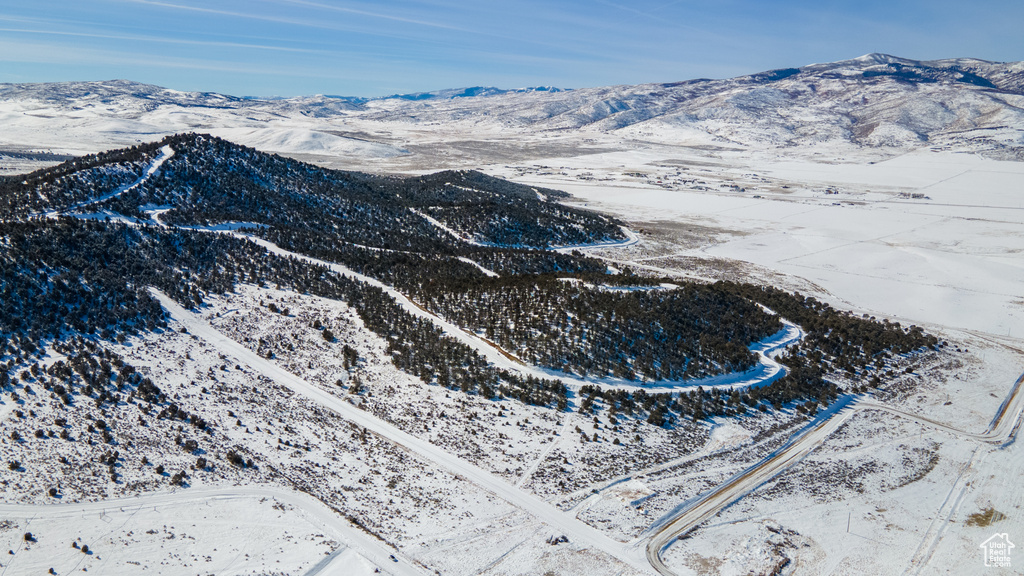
(764, 372)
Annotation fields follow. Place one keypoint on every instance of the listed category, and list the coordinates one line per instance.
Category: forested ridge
(62, 186)
(70, 277)
(486, 267)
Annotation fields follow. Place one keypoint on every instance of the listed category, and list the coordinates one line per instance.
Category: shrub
(236, 459)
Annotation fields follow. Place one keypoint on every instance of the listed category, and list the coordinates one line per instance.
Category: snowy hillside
(876, 103)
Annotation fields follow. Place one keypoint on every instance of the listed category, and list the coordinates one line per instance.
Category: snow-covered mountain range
(876, 103)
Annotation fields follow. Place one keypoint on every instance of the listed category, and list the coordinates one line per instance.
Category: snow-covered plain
(242, 530)
(950, 259)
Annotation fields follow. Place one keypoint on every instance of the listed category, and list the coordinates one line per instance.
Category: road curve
(1001, 430)
(631, 239)
(711, 503)
(765, 372)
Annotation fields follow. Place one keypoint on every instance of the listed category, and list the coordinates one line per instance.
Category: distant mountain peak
(470, 92)
(880, 58)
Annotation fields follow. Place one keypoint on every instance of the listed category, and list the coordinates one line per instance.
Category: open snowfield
(219, 531)
(951, 259)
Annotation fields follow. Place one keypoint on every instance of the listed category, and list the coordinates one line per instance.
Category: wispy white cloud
(49, 53)
(273, 18)
(370, 14)
(326, 24)
(515, 42)
(161, 39)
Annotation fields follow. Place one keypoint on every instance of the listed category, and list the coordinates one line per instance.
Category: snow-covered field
(231, 530)
(948, 259)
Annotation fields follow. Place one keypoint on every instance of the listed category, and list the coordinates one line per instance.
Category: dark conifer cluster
(209, 180)
(91, 375)
(69, 183)
(408, 270)
(71, 277)
(835, 339)
(566, 324)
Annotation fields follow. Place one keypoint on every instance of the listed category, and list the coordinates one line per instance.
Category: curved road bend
(1002, 429)
(766, 370)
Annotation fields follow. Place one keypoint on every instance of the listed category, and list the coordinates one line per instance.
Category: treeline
(497, 212)
(92, 376)
(408, 271)
(688, 332)
(420, 348)
(68, 277)
(210, 180)
(836, 339)
(84, 178)
(802, 385)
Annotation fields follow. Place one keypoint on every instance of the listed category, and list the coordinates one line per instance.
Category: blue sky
(293, 47)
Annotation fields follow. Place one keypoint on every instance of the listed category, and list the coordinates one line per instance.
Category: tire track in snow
(943, 517)
(165, 154)
(315, 510)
